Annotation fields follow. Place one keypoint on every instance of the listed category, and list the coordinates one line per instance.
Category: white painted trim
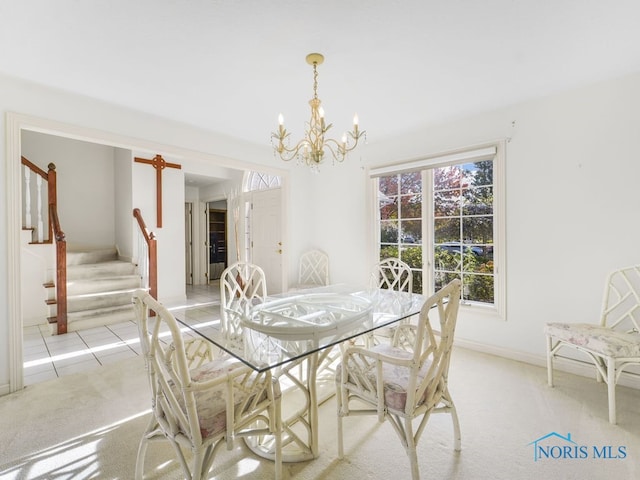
(475, 154)
(14, 226)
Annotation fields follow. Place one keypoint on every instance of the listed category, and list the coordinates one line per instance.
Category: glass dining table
(297, 335)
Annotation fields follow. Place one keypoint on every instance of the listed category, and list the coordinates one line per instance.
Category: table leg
(300, 428)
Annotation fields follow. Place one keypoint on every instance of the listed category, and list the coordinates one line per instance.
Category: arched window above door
(261, 181)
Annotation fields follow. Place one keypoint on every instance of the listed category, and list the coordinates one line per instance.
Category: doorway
(266, 236)
(216, 239)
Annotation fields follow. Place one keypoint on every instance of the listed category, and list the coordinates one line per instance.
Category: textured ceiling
(231, 66)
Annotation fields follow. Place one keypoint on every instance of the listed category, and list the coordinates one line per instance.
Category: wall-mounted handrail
(152, 254)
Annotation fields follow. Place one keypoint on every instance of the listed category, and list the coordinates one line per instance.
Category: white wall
(123, 209)
(572, 202)
(84, 184)
(170, 236)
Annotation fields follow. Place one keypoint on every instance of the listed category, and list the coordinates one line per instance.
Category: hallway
(47, 357)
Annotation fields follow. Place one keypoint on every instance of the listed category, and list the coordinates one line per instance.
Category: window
(261, 181)
(444, 217)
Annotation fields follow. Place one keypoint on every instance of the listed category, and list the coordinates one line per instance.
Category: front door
(266, 236)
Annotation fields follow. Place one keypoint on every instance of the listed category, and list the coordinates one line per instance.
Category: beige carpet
(88, 426)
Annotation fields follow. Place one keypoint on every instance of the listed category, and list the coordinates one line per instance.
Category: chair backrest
(174, 403)
(241, 285)
(314, 268)
(621, 304)
(432, 350)
(392, 274)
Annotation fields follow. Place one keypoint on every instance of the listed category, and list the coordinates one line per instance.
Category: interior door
(266, 236)
(188, 243)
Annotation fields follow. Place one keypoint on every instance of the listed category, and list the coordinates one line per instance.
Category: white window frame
(495, 150)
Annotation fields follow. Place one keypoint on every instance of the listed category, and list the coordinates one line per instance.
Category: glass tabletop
(292, 325)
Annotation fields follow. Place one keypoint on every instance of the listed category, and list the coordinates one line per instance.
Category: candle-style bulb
(280, 120)
(355, 119)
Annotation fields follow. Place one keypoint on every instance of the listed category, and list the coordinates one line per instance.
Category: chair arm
(377, 356)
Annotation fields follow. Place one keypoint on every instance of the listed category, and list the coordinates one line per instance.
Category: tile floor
(47, 357)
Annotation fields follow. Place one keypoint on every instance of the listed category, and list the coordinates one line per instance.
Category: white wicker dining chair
(200, 409)
(613, 344)
(389, 274)
(392, 274)
(313, 270)
(399, 385)
(241, 285)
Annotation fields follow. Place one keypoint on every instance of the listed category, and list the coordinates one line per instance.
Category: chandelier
(313, 148)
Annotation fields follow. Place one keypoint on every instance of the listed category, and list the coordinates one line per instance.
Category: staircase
(99, 289)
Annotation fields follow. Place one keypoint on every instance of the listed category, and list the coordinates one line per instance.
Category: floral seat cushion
(395, 377)
(602, 340)
(211, 403)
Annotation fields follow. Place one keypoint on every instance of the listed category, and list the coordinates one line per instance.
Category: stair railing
(54, 231)
(61, 269)
(36, 184)
(147, 256)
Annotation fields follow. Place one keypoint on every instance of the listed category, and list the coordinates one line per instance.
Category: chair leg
(411, 449)
(549, 361)
(142, 448)
(278, 426)
(457, 436)
(611, 388)
(339, 418)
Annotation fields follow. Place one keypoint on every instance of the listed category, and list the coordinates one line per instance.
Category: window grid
(459, 227)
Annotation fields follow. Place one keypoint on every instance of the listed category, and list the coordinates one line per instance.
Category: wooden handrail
(35, 168)
(55, 232)
(51, 178)
(61, 270)
(152, 248)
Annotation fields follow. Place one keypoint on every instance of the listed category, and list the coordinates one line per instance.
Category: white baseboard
(5, 389)
(576, 367)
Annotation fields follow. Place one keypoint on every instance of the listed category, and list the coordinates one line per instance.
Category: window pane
(478, 201)
(417, 281)
(442, 278)
(411, 182)
(388, 251)
(446, 203)
(388, 208)
(389, 231)
(411, 206)
(449, 177)
(388, 185)
(478, 288)
(481, 172)
(446, 230)
(411, 231)
(412, 256)
(477, 230)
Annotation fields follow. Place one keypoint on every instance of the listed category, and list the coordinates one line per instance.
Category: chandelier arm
(289, 153)
(337, 149)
